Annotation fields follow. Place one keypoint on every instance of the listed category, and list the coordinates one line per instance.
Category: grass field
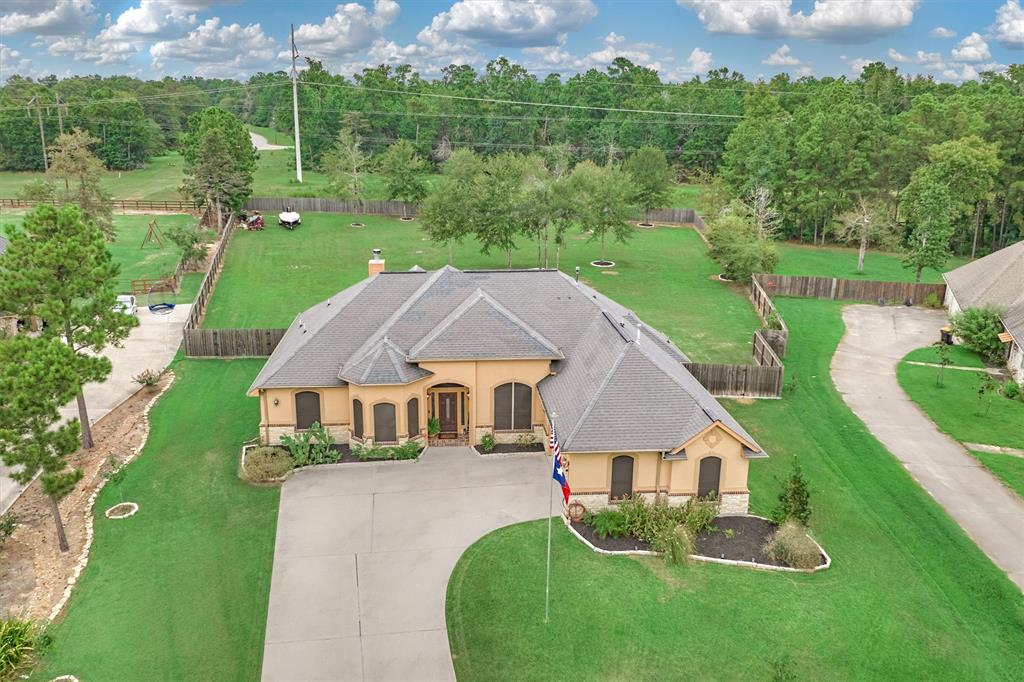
(908, 596)
(179, 591)
(664, 271)
(160, 179)
(1007, 468)
(837, 261)
(959, 355)
(956, 409)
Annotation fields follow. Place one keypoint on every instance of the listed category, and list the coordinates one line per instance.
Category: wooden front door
(448, 409)
(710, 473)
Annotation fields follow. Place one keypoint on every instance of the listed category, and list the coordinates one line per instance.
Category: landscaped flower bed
(509, 448)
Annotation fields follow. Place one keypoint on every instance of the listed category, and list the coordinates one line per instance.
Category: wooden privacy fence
(196, 339)
(170, 205)
(670, 215)
(775, 331)
(848, 289)
(231, 343)
(315, 205)
(739, 381)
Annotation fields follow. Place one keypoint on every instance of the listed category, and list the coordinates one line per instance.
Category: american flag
(558, 473)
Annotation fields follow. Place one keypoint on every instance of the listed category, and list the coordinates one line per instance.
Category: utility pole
(295, 109)
(60, 114)
(42, 131)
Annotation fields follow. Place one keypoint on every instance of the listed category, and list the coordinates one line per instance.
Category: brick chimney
(376, 263)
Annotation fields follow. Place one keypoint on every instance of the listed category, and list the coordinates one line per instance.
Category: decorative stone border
(407, 219)
(603, 264)
(65, 678)
(507, 455)
(357, 224)
(713, 560)
(83, 557)
(723, 278)
(133, 510)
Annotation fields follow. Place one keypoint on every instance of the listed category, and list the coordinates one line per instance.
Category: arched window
(513, 407)
(384, 428)
(413, 416)
(307, 409)
(622, 477)
(710, 475)
(357, 418)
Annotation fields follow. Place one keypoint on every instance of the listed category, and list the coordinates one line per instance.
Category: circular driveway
(364, 553)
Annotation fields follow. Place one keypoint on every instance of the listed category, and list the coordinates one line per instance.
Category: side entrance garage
(364, 553)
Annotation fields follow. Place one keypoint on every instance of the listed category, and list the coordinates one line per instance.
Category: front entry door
(447, 405)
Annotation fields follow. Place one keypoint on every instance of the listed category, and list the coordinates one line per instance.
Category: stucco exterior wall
(479, 377)
(1016, 362)
(590, 473)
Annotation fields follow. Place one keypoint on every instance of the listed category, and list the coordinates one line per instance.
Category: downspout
(266, 417)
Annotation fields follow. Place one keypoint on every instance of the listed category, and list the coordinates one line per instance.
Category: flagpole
(547, 586)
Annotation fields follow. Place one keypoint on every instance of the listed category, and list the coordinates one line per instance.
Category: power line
(161, 96)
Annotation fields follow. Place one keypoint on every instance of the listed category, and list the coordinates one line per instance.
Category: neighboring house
(503, 352)
(998, 280)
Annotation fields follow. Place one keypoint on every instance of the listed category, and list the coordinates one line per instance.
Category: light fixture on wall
(277, 402)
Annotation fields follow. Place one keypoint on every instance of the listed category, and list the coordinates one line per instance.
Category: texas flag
(558, 473)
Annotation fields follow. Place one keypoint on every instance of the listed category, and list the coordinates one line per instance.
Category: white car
(126, 304)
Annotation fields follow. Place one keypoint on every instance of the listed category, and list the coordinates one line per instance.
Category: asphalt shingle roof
(616, 384)
(997, 279)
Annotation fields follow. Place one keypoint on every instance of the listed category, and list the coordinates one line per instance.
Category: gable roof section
(383, 364)
(481, 328)
(997, 279)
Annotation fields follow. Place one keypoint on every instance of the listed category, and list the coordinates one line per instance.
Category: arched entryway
(448, 403)
(622, 477)
(307, 409)
(710, 477)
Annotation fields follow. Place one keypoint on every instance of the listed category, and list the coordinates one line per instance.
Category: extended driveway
(864, 371)
(363, 556)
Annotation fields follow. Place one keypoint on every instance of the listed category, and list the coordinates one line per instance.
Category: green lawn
(271, 276)
(179, 591)
(909, 596)
(1007, 468)
(956, 409)
(959, 355)
(836, 261)
(159, 180)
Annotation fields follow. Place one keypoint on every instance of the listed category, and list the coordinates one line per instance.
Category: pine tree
(74, 166)
(795, 500)
(214, 179)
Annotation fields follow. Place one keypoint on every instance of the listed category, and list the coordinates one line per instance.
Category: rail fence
(837, 289)
(170, 205)
(196, 339)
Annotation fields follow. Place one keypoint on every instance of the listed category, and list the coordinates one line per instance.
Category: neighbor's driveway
(364, 553)
(151, 345)
(864, 371)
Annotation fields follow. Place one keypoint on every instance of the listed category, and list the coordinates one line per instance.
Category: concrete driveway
(364, 553)
(151, 345)
(864, 372)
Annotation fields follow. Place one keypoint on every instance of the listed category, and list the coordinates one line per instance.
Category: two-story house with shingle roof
(507, 352)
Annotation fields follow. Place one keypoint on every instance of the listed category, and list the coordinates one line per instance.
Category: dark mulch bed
(749, 535)
(609, 543)
(348, 458)
(504, 448)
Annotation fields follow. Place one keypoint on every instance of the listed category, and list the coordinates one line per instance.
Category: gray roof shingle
(616, 384)
(997, 279)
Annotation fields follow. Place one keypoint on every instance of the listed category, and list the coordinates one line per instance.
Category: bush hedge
(267, 464)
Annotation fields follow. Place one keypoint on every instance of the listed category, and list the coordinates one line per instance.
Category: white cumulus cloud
(42, 17)
(837, 20)
(942, 32)
(972, 48)
(1009, 25)
(219, 50)
(511, 23)
(12, 62)
(350, 29)
(781, 57)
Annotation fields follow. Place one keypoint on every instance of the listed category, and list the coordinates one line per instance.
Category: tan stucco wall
(590, 473)
(480, 377)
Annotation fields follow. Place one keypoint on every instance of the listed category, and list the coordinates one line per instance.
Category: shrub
(699, 514)
(932, 300)
(1011, 389)
(487, 442)
(408, 450)
(791, 546)
(266, 464)
(20, 640)
(433, 426)
(647, 521)
(980, 328)
(147, 377)
(299, 446)
(740, 251)
(794, 500)
(525, 440)
(609, 522)
(8, 522)
(676, 542)
(365, 453)
(320, 445)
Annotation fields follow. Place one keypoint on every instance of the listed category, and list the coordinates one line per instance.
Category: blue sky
(951, 41)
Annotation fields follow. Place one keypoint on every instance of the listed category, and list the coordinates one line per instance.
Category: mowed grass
(956, 408)
(269, 277)
(959, 355)
(841, 262)
(159, 180)
(908, 596)
(138, 262)
(1007, 468)
(179, 591)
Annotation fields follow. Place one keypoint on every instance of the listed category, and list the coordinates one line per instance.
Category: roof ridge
(597, 394)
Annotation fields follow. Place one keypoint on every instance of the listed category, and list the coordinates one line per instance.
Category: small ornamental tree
(602, 198)
(448, 213)
(37, 377)
(651, 177)
(344, 164)
(737, 247)
(795, 499)
(980, 329)
(401, 167)
(988, 389)
(942, 350)
(57, 267)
